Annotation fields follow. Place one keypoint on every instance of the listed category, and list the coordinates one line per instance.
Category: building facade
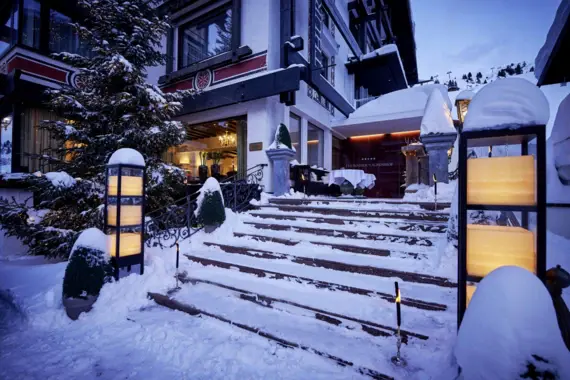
(254, 64)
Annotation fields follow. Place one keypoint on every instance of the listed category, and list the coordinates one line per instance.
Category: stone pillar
(413, 153)
(280, 159)
(437, 147)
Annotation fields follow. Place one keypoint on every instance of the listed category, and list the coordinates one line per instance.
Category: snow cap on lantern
(509, 323)
(126, 156)
(507, 102)
(465, 95)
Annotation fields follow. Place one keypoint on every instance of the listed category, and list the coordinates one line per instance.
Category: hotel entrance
(212, 149)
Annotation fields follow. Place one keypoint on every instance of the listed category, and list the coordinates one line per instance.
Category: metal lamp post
(124, 208)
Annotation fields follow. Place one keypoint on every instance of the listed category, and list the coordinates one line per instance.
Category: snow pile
(427, 89)
(560, 139)
(92, 238)
(509, 324)
(426, 193)
(437, 116)
(465, 95)
(60, 179)
(507, 102)
(210, 186)
(126, 156)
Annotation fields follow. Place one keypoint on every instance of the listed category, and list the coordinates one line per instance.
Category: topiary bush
(282, 137)
(210, 209)
(89, 267)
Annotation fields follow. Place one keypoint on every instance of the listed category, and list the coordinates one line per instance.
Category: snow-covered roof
(437, 118)
(560, 19)
(386, 49)
(510, 101)
(126, 156)
(396, 111)
(510, 318)
(465, 95)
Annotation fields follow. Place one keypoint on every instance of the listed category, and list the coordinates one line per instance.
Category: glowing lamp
(124, 209)
(470, 289)
(491, 247)
(462, 103)
(501, 181)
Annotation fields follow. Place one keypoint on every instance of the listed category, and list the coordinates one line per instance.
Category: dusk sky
(475, 35)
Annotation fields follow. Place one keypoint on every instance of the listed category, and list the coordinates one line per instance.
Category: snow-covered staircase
(319, 275)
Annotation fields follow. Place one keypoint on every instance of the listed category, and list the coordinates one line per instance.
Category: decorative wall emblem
(78, 80)
(203, 79)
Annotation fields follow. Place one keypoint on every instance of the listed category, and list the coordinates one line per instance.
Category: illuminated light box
(130, 244)
(470, 289)
(501, 181)
(130, 215)
(130, 186)
(490, 247)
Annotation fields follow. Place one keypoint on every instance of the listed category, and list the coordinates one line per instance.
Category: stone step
(432, 206)
(340, 247)
(274, 275)
(174, 304)
(337, 266)
(380, 237)
(337, 319)
(408, 215)
(399, 225)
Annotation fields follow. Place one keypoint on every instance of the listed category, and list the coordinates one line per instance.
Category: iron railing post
(235, 196)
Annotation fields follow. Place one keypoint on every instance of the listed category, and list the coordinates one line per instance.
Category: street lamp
(124, 208)
(462, 103)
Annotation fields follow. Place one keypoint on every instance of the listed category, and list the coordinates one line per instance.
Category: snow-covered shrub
(210, 209)
(88, 268)
(510, 330)
(282, 138)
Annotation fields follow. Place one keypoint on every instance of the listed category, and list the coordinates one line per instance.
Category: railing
(168, 226)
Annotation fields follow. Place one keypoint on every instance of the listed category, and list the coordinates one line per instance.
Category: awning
(398, 111)
(380, 71)
(552, 64)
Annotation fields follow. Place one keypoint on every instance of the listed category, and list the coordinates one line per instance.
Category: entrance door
(382, 156)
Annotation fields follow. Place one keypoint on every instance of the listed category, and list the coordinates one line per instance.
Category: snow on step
(425, 292)
(307, 250)
(359, 226)
(357, 306)
(343, 343)
(299, 236)
(394, 213)
(347, 202)
(356, 222)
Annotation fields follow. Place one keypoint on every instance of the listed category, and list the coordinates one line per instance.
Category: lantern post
(124, 208)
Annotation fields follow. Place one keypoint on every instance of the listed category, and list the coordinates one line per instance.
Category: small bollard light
(398, 360)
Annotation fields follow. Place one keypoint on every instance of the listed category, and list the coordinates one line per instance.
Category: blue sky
(475, 35)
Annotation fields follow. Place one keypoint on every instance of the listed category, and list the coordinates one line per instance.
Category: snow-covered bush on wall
(210, 209)
(282, 138)
(510, 330)
(110, 107)
(87, 271)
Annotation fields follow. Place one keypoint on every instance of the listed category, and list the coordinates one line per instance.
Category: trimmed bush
(88, 268)
(282, 137)
(210, 208)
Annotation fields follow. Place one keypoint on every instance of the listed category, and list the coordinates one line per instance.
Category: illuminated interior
(490, 247)
(130, 186)
(130, 215)
(501, 181)
(209, 142)
(378, 135)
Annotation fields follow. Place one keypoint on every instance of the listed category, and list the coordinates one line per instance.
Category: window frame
(205, 20)
(321, 145)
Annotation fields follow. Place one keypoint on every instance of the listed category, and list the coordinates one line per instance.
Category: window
(295, 132)
(212, 36)
(325, 63)
(9, 28)
(315, 146)
(31, 24)
(6, 144)
(36, 142)
(63, 37)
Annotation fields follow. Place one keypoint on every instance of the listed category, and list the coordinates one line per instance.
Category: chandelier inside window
(228, 139)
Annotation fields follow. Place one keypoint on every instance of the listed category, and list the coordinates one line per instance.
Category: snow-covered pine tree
(112, 107)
